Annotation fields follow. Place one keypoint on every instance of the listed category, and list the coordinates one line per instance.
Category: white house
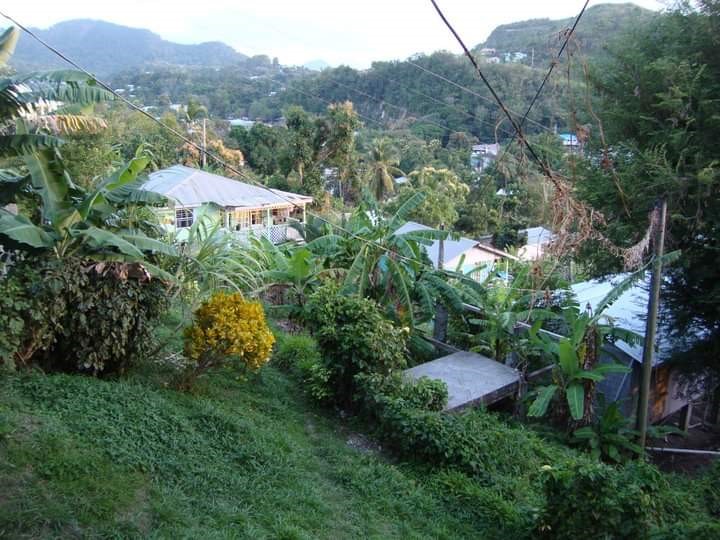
(243, 208)
(537, 240)
(483, 155)
(464, 254)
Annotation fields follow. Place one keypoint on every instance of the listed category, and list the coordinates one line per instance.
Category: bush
(291, 350)
(426, 394)
(711, 489)
(599, 501)
(355, 339)
(227, 327)
(78, 315)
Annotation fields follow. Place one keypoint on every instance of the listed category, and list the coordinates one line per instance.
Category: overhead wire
(553, 63)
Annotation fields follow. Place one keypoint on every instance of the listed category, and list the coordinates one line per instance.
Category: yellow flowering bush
(228, 326)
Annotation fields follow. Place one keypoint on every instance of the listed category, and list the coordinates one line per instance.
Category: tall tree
(662, 122)
(382, 168)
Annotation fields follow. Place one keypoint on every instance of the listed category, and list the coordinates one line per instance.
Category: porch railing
(277, 234)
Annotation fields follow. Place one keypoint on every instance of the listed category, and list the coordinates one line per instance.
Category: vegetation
(90, 282)
(227, 329)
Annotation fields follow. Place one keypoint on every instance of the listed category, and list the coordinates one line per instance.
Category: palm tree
(382, 168)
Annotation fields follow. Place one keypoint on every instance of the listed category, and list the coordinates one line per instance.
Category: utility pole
(651, 325)
(441, 314)
(204, 146)
(532, 61)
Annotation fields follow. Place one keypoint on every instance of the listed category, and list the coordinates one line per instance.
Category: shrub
(78, 315)
(291, 350)
(354, 338)
(227, 327)
(703, 530)
(426, 394)
(599, 501)
(300, 355)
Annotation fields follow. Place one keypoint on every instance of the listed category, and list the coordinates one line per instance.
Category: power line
(553, 63)
(468, 90)
(516, 127)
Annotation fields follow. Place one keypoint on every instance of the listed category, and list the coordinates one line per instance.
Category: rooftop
(190, 188)
(453, 248)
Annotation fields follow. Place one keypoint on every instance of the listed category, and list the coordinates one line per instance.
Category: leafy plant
(577, 356)
(292, 350)
(611, 437)
(78, 315)
(227, 330)
(210, 259)
(297, 271)
(355, 339)
(599, 501)
(70, 221)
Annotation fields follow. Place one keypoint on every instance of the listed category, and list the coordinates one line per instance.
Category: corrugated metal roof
(191, 188)
(453, 248)
(629, 311)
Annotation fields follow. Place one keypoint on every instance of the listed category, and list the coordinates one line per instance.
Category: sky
(336, 31)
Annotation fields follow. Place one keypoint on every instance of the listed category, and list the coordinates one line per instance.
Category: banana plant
(68, 220)
(576, 356)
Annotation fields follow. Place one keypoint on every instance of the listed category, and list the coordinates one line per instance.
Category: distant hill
(106, 48)
(316, 65)
(599, 24)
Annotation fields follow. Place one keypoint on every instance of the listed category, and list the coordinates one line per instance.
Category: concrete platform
(470, 377)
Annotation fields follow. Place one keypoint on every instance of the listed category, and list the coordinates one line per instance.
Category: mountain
(105, 48)
(543, 37)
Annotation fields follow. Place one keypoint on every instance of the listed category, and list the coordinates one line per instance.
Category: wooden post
(686, 417)
(204, 147)
(651, 326)
(441, 314)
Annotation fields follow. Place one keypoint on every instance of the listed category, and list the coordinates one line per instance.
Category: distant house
(242, 208)
(514, 57)
(464, 254)
(483, 155)
(570, 142)
(488, 51)
(493, 60)
(629, 311)
(537, 239)
(241, 123)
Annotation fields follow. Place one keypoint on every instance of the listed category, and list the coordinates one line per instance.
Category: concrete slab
(470, 377)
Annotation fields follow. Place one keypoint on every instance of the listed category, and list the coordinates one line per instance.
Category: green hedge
(73, 315)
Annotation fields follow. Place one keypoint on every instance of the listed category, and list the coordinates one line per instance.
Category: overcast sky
(337, 31)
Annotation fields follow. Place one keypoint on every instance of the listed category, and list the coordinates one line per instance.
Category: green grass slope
(85, 458)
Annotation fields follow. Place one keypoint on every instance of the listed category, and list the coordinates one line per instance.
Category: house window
(256, 217)
(183, 217)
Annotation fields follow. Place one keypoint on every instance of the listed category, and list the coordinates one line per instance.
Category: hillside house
(464, 254)
(242, 208)
(571, 143)
(537, 240)
(667, 391)
(483, 155)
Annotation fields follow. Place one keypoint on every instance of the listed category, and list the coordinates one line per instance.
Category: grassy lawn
(81, 457)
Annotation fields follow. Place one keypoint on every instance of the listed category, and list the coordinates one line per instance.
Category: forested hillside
(434, 95)
(544, 36)
(105, 48)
